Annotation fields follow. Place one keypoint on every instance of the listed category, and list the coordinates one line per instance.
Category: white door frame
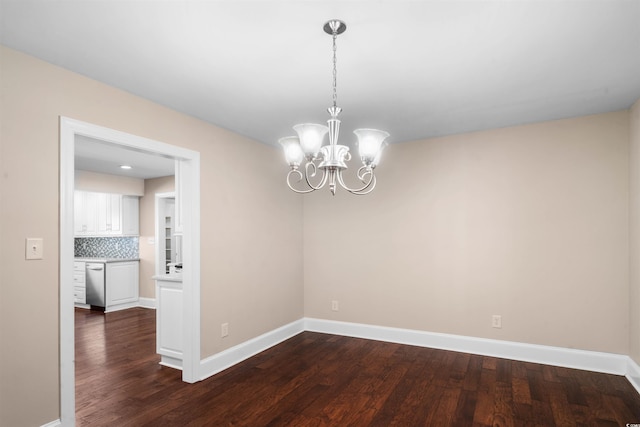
(190, 174)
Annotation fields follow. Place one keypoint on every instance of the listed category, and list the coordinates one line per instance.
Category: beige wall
(245, 215)
(165, 184)
(634, 234)
(105, 183)
(528, 222)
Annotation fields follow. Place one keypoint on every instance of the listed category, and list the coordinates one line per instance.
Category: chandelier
(330, 159)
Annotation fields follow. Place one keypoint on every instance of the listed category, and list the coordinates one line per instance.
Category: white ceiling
(414, 68)
(97, 156)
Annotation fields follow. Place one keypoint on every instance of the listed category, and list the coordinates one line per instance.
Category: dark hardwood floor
(324, 380)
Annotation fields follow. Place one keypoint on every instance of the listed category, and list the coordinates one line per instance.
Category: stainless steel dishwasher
(95, 280)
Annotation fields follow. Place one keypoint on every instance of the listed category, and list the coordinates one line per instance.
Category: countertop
(106, 259)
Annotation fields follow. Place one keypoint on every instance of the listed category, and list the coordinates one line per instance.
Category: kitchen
(106, 249)
(117, 226)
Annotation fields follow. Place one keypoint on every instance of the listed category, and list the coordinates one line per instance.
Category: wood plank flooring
(325, 380)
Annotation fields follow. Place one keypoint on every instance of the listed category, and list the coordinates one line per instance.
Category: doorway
(188, 172)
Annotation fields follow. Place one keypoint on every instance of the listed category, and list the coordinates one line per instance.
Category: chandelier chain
(335, 70)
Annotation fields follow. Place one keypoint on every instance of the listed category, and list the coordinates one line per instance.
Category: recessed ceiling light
(125, 167)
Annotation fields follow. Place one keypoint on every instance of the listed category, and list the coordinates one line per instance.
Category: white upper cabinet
(85, 218)
(109, 214)
(130, 216)
(103, 214)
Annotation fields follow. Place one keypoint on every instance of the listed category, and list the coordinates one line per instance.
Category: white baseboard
(633, 374)
(119, 307)
(227, 358)
(141, 302)
(595, 361)
(147, 302)
(55, 423)
(171, 362)
(547, 355)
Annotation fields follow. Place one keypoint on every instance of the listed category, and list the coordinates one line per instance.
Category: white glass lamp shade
(292, 150)
(377, 158)
(311, 137)
(370, 145)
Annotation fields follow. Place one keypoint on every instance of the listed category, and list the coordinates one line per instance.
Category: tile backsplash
(106, 247)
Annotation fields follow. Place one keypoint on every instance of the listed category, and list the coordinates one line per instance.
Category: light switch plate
(33, 248)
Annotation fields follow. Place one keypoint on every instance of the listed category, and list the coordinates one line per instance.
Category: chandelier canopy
(330, 159)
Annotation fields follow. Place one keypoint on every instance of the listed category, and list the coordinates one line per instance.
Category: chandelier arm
(370, 184)
(307, 166)
(364, 171)
(315, 170)
(297, 172)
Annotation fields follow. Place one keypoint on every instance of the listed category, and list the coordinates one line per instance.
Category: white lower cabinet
(169, 343)
(121, 290)
(79, 283)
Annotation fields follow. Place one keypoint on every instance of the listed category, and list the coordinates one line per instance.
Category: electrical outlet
(496, 321)
(334, 305)
(224, 330)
